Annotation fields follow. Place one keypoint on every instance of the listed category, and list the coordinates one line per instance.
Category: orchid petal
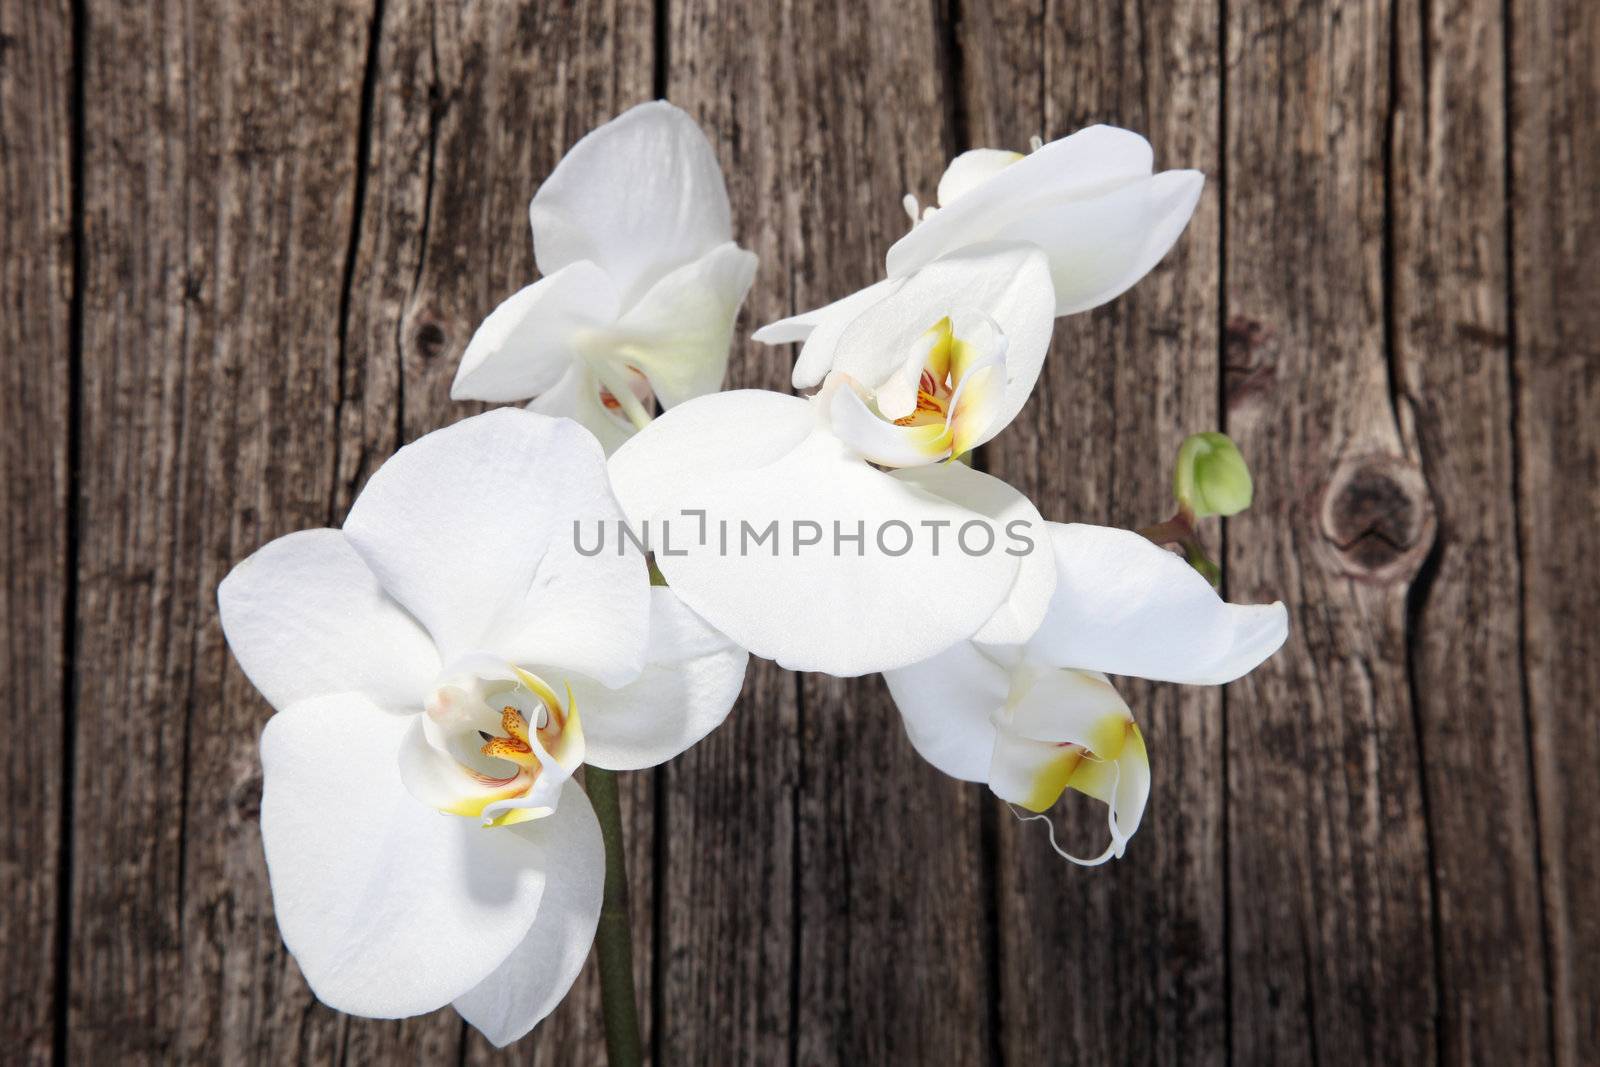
(305, 616)
(391, 909)
(692, 677)
(679, 332)
(1091, 161)
(473, 528)
(947, 703)
(877, 439)
(1067, 706)
(1033, 774)
(759, 461)
(1018, 616)
(1125, 606)
(1027, 772)
(639, 196)
(531, 340)
(822, 325)
(541, 969)
(1101, 246)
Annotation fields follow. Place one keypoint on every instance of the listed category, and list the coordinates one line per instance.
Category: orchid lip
(495, 743)
(936, 406)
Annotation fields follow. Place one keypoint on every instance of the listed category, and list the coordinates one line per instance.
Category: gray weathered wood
(1555, 259)
(217, 189)
(1331, 910)
(36, 290)
(1123, 963)
(1451, 384)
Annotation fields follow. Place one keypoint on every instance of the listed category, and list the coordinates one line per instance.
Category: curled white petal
(1125, 606)
(1091, 201)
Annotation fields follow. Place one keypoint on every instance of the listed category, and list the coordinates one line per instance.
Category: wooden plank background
(245, 242)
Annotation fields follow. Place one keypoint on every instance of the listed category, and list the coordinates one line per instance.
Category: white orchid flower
(642, 282)
(1036, 718)
(1091, 201)
(440, 668)
(865, 569)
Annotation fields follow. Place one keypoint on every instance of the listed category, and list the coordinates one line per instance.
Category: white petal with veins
(305, 616)
(639, 196)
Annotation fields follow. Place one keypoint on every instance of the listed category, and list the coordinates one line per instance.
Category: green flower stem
(614, 938)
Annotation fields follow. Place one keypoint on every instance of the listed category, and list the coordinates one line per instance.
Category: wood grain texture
(36, 356)
(244, 244)
(212, 169)
(1452, 387)
(1331, 923)
(1084, 951)
(1555, 254)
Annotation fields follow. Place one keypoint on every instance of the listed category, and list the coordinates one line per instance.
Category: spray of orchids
(445, 665)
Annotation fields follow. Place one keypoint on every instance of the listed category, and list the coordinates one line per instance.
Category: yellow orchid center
(954, 392)
(960, 376)
(496, 749)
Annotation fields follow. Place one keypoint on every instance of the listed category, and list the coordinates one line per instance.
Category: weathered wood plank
(218, 187)
(821, 862)
(1451, 351)
(1555, 255)
(1083, 952)
(36, 291)
(472, 108)
(1331, 913)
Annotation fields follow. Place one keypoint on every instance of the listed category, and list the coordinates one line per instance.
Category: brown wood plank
(36, 291)
(1331, 910)
(218, 188)
(1085, 953)
(814, 860)
(1555, 255)
(472, 108)
(1451, 353)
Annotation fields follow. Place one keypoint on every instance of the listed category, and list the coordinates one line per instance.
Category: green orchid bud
(1212, 478)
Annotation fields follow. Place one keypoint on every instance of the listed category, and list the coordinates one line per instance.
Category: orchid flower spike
(642, 282)
(1092, 202)
(1037, 718)
(441, 667)
(772, 515)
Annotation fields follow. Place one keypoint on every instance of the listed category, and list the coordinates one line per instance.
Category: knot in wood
(1378, 517)
(430, 338)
